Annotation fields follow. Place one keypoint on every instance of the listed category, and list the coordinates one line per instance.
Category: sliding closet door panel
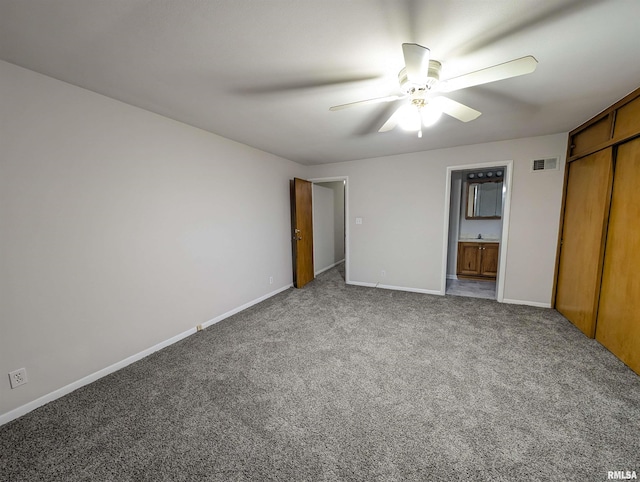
(619, 314)
(583, 232)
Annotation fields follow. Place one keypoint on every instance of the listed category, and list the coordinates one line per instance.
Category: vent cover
(545, 164)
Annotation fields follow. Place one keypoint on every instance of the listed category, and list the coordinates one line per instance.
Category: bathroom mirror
(484, 200)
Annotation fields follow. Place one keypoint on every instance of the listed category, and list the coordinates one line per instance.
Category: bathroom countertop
(476, 240)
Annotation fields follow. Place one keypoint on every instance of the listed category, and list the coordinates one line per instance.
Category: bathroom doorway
(478, 198)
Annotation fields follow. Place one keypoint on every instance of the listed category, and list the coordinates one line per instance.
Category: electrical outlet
(270, 280)
(18, 377)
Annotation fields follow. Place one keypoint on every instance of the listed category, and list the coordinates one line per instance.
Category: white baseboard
(412, 290)
(452, 276)
(49, 397)
(528, 303)
(362, 283)
(60, 392)
(328, 267)
(435, 292)
(396, 288)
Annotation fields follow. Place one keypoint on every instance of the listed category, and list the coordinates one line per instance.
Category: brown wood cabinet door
(489, 260)
(302, 232)
(618, 325)
(583, 233)
(469, 256)
(589, 138)
(627, 120)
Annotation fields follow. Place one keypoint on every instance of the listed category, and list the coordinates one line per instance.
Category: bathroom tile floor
(471, 288)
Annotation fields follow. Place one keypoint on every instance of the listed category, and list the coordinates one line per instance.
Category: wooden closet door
(583, 233)
(619, 313)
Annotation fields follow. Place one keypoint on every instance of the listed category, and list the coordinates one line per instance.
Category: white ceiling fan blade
(377, 100)
(513, 68)
(416, 60)
(455, 109)
(391, 123)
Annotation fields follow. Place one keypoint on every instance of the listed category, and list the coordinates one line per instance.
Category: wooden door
(582, 242)
(618, 325)
(489, 260)
(469, 259)
(302, 232)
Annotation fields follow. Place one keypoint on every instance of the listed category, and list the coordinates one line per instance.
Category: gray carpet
(337, 382)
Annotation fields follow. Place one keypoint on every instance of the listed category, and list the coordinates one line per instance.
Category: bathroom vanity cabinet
(478, 260)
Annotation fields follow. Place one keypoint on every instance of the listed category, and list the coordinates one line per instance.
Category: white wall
(401, 200)
(328, 224)
(488, 228)
(121, 229)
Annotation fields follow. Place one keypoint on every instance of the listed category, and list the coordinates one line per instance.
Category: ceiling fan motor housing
(433, 77)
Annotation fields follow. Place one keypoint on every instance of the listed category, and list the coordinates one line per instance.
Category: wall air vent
(545, 164)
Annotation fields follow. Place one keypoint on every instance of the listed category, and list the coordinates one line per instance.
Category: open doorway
(330, 236)
(478, 200)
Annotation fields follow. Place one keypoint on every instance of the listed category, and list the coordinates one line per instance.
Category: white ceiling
(265, 72)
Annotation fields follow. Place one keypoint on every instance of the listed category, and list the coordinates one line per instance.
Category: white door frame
(506, 212)
(345, 179)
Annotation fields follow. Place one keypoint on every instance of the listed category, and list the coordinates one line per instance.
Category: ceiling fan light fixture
(412, 117)
(409, 118)
(420, 83)
(430, 115)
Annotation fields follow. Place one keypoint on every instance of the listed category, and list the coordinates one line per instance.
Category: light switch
(358, 220)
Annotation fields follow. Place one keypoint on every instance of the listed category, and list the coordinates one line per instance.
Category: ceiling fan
(420, 83)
